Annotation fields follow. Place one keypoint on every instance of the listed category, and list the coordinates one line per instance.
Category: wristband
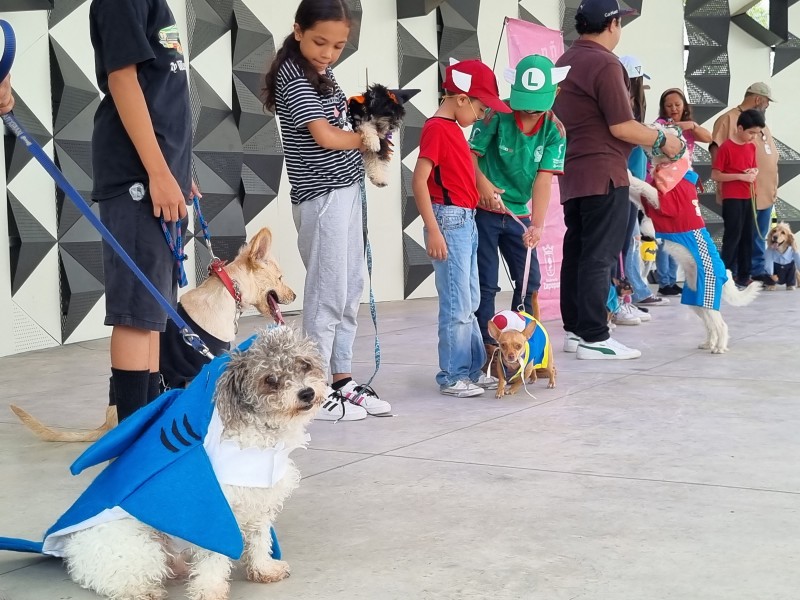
(661, 139)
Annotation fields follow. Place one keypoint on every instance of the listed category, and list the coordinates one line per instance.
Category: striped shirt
(313, 170)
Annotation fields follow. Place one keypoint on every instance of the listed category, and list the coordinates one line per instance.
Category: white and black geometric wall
(51, 289)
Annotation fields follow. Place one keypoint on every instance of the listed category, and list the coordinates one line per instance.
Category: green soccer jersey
(510, 158)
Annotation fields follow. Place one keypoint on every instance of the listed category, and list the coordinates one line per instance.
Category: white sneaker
(643, 315)
(609, 349)
(487, 382)
(336, 408)
(626, 315)
(365, 397)
(571, 342)
(462, 389)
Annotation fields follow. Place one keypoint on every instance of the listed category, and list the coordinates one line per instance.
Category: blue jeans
(666, 268)
(499, 231)
(461, 351)
(763, 218)
(633, 273)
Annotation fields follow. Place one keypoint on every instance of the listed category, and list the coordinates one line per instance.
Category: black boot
(130, 391)
(154, 389)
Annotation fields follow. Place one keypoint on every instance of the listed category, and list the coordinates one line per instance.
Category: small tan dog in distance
(213, 314)
(525, 350)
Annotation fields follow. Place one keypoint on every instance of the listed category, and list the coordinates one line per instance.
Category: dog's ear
(529, 329)
(494, 331)
(259, 246)
(404, 95)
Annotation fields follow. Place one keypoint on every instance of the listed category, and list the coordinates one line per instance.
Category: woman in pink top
(673, 108)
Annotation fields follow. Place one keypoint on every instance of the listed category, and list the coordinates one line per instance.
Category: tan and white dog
(213, 314)
(782, 258)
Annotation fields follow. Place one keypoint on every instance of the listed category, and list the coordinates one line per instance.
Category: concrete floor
(673, 476)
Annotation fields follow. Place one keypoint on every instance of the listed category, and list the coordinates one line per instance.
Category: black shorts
(128, 302)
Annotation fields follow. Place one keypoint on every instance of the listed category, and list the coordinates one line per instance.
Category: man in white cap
(758, 96)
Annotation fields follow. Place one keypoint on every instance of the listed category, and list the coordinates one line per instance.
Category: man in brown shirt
(594, 106)
(757, 96)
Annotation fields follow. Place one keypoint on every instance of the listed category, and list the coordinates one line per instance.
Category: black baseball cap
(597, 12)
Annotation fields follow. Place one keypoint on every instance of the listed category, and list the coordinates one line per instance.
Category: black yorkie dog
(376, 115)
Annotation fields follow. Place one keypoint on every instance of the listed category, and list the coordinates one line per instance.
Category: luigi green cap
(534, 82)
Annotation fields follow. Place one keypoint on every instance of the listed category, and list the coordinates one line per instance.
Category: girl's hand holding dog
(437, 247)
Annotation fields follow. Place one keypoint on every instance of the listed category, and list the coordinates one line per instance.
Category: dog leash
(372, 309)
(39, 154)
(528, 257)
(176, 247)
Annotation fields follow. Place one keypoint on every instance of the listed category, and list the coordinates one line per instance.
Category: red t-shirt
(452, 180)
(679, 212)
(735, 158)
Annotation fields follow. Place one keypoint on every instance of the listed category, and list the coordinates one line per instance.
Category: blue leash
(176, 247)
(372, 310)
(39, 154)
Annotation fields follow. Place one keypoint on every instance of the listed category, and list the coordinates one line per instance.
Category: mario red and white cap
(476, 80)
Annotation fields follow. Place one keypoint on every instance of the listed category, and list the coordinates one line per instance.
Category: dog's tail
(736, 297)
(535, 306)
(48, 434)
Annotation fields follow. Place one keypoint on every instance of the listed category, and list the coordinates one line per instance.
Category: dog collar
(217, 267)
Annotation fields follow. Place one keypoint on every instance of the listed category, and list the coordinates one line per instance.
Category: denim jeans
(461, 351)
(630, 252)
(763, 218)
(501, 232)
(666, 268)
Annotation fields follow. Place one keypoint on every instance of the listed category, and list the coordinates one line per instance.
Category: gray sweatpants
(331, 243)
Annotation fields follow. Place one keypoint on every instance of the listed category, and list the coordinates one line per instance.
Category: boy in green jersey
(516, 156)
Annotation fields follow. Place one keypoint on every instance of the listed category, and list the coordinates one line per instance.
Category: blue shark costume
(163, 474)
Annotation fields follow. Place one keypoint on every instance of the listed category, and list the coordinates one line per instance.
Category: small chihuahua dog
(525, 350)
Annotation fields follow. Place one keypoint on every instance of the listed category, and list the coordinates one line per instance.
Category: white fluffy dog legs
(717, 330)
(140, 563)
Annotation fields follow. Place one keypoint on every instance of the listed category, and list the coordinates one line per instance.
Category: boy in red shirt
(735, 169)
(446, 195)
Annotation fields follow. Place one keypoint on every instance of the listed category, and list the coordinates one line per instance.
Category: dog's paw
(378, 181)
(270, 572)
(719, 350)
(371, 140)
(217, 592)
(551, 385)
(499, 393)
(704, 346)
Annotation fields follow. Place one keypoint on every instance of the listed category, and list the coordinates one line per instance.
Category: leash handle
(528, 258)
(176, 248)
(9, 49)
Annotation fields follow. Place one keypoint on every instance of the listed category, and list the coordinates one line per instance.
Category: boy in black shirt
(141, 158)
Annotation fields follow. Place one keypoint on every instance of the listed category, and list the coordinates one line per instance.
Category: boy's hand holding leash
(167, 197)
(489, 195)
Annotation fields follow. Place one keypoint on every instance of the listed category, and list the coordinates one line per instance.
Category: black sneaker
(669, 290)
(678, 289)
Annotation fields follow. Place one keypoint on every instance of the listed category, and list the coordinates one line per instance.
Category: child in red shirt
(446, 195)
(735, 169)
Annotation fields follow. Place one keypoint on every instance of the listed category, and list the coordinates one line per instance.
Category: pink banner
(525, 39)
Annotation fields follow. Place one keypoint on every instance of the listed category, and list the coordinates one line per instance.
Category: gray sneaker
(462, 389)
(571, 342)
(487, 382)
